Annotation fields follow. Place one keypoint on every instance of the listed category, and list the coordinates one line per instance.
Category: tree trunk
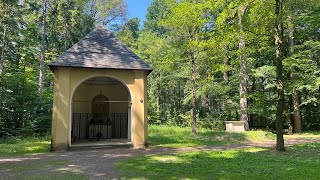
(225, 72)
(193, 83)
(43, 46)
(291, 41)
(225, 106)
(296, 111)
(296, 103)
(158, 92)
(253, 88)
(279, 76)
(66, 36)
(3, 49)
(243, 72)
(288, 118)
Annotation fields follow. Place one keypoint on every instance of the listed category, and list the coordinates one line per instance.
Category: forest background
(214, 60)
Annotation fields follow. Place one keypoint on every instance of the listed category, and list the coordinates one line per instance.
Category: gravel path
(98, 163)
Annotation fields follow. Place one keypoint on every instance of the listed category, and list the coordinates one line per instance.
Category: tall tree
(231, 19)
(186, 21)
(243, 69)
(107, 11)
(155, 13)
(278, 40)
(129, 33)
(8, 10)
(296, 99)
(43, 47)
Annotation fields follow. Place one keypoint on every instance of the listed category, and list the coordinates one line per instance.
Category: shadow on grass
(252, 163)
(38, 168)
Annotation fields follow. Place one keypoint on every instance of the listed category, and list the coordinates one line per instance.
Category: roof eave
(149, 70)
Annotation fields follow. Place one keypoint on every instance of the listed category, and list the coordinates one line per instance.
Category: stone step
(99, 146)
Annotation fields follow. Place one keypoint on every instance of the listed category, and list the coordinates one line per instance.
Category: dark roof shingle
(100, 49)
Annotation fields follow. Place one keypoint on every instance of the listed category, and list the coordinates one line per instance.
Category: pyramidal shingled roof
(100, 49)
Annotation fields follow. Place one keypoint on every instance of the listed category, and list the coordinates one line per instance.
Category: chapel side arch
(104, 90)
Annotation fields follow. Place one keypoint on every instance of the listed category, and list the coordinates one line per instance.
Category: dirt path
(99, 163)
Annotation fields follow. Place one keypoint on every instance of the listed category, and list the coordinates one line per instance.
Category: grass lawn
(19, 146)
(160, 135)
(312, 134)
(173, 136)
(299, 162)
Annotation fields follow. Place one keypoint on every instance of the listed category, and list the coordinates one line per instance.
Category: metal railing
(99, 126)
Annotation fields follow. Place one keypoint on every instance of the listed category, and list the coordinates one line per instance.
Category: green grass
(160, 135)
(19, 146)
(299, 162)
(173, 136)
(259, 136)
(312, 134)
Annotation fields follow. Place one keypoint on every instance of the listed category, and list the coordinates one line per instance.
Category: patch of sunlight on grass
(259, 136)
(256, 149)
(166, 159)
(33, 148)
(303, 135)
(225, 154)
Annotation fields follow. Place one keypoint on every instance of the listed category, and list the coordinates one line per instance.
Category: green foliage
(300, 162)
(174, 30)
(174, 34)
(155, 14)
(130, 33)
(23, 110)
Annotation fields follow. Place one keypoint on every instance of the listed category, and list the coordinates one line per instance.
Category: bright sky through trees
(138, 8)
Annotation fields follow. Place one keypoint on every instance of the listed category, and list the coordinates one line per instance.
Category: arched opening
(101, 111)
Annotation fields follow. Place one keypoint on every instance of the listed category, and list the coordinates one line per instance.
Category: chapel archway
(101, 110)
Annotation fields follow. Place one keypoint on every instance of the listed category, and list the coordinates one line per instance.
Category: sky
(138, 8)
